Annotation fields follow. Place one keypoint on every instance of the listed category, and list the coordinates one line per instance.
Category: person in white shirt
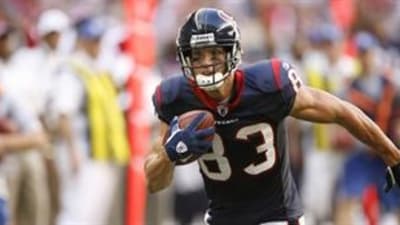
(20, 131)
(90, 184)
(25, 171)
(50, 55)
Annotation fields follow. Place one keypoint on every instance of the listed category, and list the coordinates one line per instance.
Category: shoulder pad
(272, 75)
(166, 93)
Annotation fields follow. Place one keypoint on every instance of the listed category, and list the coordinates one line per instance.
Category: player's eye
(195, 56)
(218, 53)
(195, 59)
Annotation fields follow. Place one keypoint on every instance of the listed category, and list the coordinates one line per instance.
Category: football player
(245, 168)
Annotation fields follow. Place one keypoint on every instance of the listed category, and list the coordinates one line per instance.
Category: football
(185, 119)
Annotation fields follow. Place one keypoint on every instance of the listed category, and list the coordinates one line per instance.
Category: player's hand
(183, 142)
(392, 177)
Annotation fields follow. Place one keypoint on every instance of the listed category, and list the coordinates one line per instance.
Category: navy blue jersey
(246, 173)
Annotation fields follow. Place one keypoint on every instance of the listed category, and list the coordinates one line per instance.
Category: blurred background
(76, 118)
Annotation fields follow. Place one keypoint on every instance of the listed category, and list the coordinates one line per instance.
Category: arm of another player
(319, 106)
(158, 167)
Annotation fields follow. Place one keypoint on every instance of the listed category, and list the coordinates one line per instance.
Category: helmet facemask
(213, 81)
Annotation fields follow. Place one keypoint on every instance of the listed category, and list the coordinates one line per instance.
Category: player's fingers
(387, 187)
(390, 180)
(206, 132)
(196, 122)
(174, 123)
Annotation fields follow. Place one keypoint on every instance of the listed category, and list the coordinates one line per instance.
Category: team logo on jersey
(222, 110)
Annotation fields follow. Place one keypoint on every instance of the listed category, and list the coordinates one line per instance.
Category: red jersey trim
(276, 70)
(239, 84)
(211, 103)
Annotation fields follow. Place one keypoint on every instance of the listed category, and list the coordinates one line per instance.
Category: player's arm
(319, 106)
(158, 167)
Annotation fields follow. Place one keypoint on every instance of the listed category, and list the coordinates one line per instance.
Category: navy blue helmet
(209, 27)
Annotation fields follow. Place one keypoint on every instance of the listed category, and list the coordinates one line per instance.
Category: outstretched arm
(319, 106)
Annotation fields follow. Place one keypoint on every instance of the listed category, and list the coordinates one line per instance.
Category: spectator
(25, 171)
(49, 58)
(379, 99)
(92, 126)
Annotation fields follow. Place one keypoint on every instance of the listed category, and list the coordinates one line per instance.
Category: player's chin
(217, 94)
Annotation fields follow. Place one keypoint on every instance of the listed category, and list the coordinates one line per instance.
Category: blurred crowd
(63, 75)
(64, 145)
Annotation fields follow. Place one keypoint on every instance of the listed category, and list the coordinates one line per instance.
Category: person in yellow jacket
(92, 125)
